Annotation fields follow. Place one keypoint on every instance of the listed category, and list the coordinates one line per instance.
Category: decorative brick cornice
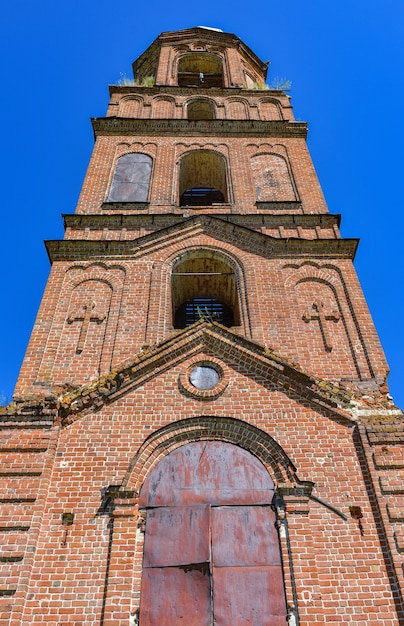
(240, 236)
(220, 341)
(203, 128)
(384, 427)
(127, 220)
(183, 90)
(30, 412)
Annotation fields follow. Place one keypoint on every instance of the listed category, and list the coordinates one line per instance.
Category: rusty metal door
(246, 568)
(211, 552)
(176, 582)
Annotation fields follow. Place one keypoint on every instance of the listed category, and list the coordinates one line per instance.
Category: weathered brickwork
(253, 105)
(167, 152)
(106, 389)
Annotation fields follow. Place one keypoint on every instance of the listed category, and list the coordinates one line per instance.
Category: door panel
(177, 536)
(244, 535)
(172, 596)
(249, 596)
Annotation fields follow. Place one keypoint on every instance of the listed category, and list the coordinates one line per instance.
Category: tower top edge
(211, 35)
(217, 30)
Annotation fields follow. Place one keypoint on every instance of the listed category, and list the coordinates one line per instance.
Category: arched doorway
(211, 552)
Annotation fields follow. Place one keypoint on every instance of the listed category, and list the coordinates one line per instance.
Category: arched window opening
(131, 178)
(204, 286)
(200, 69)
(211, 547)
(200, 110)
(202, 179)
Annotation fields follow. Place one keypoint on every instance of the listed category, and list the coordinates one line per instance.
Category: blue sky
(345, 60)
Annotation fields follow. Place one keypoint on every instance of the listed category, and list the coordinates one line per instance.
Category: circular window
(204, 377)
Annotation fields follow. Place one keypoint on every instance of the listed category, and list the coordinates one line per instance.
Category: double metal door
(208, 560)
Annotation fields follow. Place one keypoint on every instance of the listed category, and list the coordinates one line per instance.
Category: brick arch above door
(163, 441)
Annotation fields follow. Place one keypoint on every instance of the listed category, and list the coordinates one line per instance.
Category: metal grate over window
(201, 196)
(209, 309)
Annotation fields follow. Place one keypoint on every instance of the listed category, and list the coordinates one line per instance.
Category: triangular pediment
(224, 344)
(219, 228)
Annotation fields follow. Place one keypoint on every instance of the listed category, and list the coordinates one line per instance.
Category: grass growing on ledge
(147, 81)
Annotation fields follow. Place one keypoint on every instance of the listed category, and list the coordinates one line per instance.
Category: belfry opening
(202, 179)
(204, 286)
(200, 69)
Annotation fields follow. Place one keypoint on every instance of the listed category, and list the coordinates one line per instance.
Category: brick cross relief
(85, 315)
(322, 318)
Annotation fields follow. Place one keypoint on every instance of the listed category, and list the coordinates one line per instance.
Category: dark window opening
(202, 179)
(200, 69)
(208, 309)
(204, 286)
(201, 196)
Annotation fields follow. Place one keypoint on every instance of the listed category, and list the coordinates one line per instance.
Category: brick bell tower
(202, 431)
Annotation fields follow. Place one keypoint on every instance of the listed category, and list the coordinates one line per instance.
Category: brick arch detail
(181, 148)
(160, 283)
(310, 271)
(199, 97)
(275, 105)
(278, 149)
(287, 181)
(163, 106)
(99, 271)
(147, 147)
(230, 430)
(331, 276)
(135, 148)
(76, 275)
(241, 104)
(130, 106)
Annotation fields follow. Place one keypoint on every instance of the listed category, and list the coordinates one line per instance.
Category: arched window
(211, 550)
(272, 178)
(201, 109)
(204, 286)
(131, 178)
(202, 179)
(200, 69)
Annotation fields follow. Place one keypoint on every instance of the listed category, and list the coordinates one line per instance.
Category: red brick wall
(340, 575)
